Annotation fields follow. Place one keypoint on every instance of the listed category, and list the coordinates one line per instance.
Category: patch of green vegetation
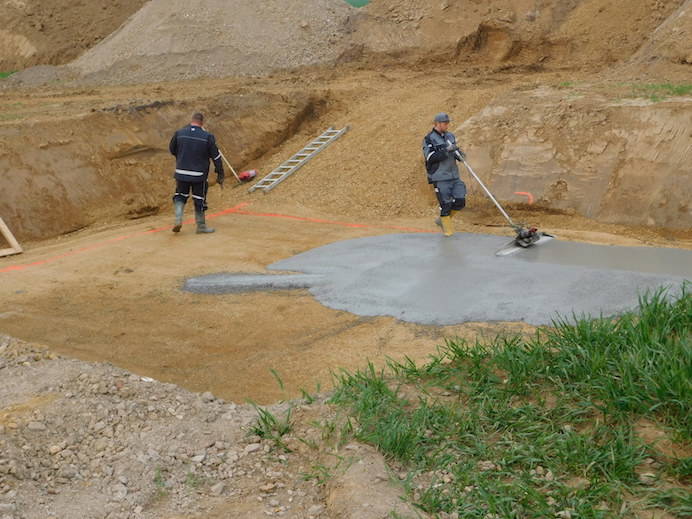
(4, 75)
(657, 92)
(193, 480)
(566, 84)
(358, 3)
(538, 427)
(160, 482)
(271, 427)
(318, 473)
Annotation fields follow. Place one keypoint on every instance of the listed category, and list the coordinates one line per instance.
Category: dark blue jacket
(440, 163)
(193, 146)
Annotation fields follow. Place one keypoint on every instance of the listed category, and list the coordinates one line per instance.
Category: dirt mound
(183, 39)
(670, 43)
(560, 33)
(173, 39)
(36, 32)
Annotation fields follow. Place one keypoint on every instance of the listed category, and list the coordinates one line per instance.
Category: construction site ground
(112, 292)
(95, 301)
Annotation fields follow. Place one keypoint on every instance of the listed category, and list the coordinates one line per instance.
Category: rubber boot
(179, 210)
(201, 225)
(447, 225)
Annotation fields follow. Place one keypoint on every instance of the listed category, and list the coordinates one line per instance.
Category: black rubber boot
(201, 225)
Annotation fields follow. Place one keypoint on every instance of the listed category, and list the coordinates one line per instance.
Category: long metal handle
(490, 195)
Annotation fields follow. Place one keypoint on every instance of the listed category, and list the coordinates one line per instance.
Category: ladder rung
(297, 160)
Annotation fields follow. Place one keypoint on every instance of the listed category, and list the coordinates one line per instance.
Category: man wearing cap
(441, 155)
(193, 146)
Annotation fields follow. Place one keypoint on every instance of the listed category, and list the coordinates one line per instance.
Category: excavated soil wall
(62, 175)
(616, 161)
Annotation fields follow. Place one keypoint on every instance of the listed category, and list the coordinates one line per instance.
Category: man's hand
(220, 177)
(451, 147)
(462, 155)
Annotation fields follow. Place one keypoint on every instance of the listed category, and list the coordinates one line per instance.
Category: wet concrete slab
(429, 279)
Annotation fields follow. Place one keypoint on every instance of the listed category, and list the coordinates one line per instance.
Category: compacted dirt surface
(122, 395)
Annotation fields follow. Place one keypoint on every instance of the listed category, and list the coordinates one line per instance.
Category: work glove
(451, 147)
(461, 154)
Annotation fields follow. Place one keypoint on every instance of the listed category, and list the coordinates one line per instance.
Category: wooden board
(15, 248)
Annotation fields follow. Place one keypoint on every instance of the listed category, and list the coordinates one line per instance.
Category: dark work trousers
(199, 193)
(451, 194)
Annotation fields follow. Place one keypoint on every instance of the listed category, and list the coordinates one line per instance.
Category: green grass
(271, 427)
(4, 75)
(657, 92)
(358, 3)
(506, 429)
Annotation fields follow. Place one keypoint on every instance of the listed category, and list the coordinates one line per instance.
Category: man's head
(197, 119)
(441, 122)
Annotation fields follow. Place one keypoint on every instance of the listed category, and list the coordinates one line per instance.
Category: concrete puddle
(429, 279)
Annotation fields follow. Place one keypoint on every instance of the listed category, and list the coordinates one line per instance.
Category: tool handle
(223, 157)
(490, 195)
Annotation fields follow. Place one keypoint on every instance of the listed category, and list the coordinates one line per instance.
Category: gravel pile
(179, 39)
(89, 440)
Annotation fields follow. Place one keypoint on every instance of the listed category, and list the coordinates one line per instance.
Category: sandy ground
(115, 295)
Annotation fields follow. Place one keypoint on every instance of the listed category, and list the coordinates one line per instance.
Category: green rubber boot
(201, 225)
(179, 210)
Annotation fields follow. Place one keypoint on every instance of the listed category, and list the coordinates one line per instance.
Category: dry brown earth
(545, 95)
(36, 32)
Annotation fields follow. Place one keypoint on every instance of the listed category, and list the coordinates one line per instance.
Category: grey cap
(441, 118)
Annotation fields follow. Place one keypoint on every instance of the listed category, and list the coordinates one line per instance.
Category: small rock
(647, 478)
(217, 489)
(118, 492)
(253, 447)
(36, 426)
(208, 397)
(315, 509)
(7, 508)
(486, 465)
(578, 483)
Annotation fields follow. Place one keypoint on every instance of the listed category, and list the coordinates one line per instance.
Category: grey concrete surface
(429, 279)
(225, 283)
